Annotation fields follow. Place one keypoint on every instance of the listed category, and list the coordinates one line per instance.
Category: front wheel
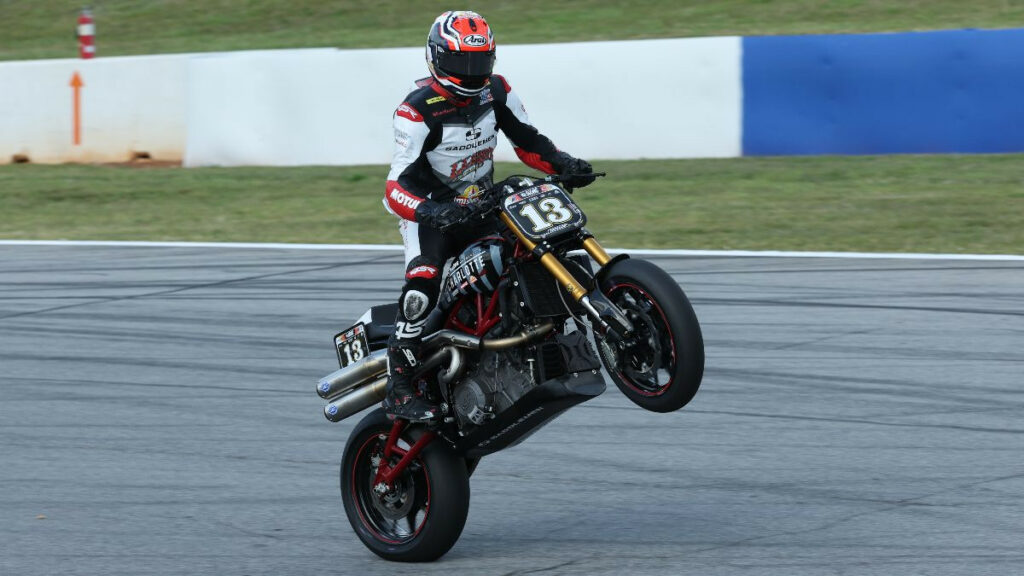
(661, 366)
(420, 518)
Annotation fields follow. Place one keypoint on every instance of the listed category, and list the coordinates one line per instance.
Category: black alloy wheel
(660, 367)
(420, 517)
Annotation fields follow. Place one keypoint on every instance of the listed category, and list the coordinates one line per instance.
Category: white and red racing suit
(444, 152)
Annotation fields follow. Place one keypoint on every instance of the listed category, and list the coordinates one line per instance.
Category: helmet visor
(476, 65)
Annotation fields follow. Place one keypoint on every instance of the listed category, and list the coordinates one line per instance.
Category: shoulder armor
(497, 80)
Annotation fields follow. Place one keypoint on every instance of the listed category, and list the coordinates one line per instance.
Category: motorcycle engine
(501, 378)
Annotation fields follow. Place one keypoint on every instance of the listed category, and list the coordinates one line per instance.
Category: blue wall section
(928, 92)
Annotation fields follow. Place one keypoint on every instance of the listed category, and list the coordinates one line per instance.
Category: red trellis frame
(487, 315)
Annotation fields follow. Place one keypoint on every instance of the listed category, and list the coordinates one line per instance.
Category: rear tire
(423, 517)
(663, 369)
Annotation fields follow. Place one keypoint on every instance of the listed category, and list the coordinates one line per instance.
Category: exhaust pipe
(356, 401)
(356, 387)
(354, 396)
(518, 339)
(340, 381)
(460, 340)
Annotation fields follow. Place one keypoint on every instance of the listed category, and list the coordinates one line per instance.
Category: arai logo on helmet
(475, 40)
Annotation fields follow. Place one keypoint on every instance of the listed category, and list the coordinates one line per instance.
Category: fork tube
(596, 251)
(527, 243)
(572, 286)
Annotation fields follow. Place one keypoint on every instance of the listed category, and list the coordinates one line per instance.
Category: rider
(445, 134)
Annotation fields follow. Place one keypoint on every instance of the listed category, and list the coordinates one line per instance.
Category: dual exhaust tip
(358, 386)
(355, 387)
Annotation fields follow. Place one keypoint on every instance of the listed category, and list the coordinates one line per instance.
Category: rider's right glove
(484, 206)
(441, 215)
(575, 172)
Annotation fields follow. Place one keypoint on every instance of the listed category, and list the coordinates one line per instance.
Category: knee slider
(416, 304)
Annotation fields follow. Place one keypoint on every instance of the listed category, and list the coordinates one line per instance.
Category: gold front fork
(600, 309)
(572, 286)
(596, 251)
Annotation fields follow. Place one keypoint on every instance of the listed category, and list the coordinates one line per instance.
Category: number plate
(544, 211)
(351, 344)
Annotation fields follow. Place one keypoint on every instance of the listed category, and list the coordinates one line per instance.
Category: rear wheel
(661, 366)
(421, 516)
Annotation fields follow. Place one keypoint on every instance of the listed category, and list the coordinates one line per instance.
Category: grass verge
(956, 204)
(44, 28)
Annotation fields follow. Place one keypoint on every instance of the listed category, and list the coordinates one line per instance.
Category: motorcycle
(507, 350)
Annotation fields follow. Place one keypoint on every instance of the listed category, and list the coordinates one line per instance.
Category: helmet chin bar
(453, 88)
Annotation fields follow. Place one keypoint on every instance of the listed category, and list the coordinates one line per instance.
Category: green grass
(44, 28)
(896, 203)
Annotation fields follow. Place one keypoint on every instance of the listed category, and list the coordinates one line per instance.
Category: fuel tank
(476, 270)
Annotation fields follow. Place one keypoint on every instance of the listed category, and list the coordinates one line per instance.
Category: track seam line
(640, 252)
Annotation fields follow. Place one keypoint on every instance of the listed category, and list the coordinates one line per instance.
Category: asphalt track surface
(157, 407)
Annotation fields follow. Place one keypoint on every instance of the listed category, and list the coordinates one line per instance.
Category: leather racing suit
(444, 150)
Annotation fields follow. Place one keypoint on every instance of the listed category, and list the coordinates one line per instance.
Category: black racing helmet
(460, 52)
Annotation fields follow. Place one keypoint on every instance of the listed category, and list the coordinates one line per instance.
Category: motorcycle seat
(382, 322)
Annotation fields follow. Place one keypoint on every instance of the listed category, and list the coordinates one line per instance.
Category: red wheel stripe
(661, 390)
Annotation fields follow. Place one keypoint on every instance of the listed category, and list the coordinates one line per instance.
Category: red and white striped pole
(86, 34)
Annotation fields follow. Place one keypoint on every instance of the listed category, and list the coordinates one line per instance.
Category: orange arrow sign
(76, 84)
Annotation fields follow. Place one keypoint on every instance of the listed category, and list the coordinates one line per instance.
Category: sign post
(86, 35)
(76, 87)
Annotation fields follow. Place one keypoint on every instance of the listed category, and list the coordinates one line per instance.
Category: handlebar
(549, 179)
(557, 178)
(491, 197)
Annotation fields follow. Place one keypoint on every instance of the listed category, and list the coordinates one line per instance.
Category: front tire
(661, 368)
(422, 518)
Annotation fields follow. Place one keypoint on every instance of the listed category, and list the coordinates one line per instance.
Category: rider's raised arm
(532, 147)
(403, 192)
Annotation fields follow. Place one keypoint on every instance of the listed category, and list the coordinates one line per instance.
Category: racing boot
(402, 401)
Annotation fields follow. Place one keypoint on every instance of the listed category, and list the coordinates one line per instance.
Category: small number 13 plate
(351, 345)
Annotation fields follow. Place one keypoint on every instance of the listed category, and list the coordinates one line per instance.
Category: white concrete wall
(295, 107)
(128, 105)
(643, 99)
(640, 99)
(677, 98)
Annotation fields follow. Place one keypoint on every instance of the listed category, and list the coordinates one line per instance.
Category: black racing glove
(575, 172)
(441, 215)
(483, 207)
